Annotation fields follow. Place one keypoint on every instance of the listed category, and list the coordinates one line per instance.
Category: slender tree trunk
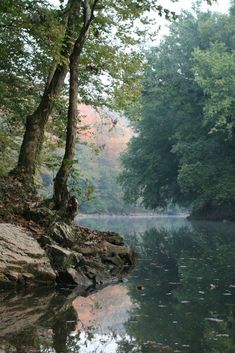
(35, 123)
(61, 192)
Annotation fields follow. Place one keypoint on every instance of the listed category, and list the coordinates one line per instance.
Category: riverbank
(133, 215)
(216, 213)
(39, 248)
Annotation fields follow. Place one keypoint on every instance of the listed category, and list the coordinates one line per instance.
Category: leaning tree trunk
(61, 192)
(35, 123)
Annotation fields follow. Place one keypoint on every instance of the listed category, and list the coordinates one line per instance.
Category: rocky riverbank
(38, 248)
(65, 255)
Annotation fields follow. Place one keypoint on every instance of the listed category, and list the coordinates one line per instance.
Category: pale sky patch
(219, 6)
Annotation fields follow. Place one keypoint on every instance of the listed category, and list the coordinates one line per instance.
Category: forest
(54, 57)
(117, 176)
(184, 149)
(179, 97)
(41, 44)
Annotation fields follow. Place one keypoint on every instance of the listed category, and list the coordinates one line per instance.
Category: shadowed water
(179, 297)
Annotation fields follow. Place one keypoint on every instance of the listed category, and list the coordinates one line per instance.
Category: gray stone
(44, 241)
(63, 234)
(79, 278)
(61, 258)
(115, 238)
(41, 215)
(115, 260)
(22, 261)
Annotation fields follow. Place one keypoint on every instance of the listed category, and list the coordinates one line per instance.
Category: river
(180, 297)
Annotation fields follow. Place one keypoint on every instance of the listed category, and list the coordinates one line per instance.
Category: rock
(95, 263)
(72, 277)
(66, 254)
(123, 251)
(41, 215)
(87, 250)
(44, 241)
(62, 258)
(79, 278)
(115, 238)
(90, 272)
(115, 260)
(22, 261)
(62, 233)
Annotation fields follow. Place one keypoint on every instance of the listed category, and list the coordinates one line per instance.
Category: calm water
(179, 298)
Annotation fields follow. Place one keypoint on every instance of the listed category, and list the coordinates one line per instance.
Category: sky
(218, 6)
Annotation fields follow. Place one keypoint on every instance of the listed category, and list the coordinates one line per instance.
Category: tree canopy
(98, 44)
(36, 38)
(183, 151)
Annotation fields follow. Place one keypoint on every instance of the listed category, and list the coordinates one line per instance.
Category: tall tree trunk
(35, 123)
(61, 192)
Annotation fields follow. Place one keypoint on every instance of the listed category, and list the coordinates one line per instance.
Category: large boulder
(22, 260)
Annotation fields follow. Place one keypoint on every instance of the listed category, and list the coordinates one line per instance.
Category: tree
(121, 19)
(124, 14)
(61, 193)
(35, 123)
(27, 36)
(215, 72)
(188, 108)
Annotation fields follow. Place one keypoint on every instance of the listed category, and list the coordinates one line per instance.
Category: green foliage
(215, 71)
(95, 169)
(31, 38)
(28, 32)
(111, 66)
(27, 37)
(184, 148)
(99, 190)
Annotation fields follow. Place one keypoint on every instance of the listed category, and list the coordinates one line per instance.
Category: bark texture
(61, 192)
(35, 123)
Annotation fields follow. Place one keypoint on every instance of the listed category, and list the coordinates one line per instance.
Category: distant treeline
(184, 149)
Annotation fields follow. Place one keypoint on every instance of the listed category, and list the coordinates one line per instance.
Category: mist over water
(178, 298)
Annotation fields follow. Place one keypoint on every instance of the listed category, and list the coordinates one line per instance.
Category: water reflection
(105, 310)
(35, 321)
(179, 298)
(133, 225)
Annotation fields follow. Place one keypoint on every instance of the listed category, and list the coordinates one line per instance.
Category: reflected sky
(105, 310)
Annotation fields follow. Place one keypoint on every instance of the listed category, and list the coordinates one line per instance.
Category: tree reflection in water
(179, 298)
